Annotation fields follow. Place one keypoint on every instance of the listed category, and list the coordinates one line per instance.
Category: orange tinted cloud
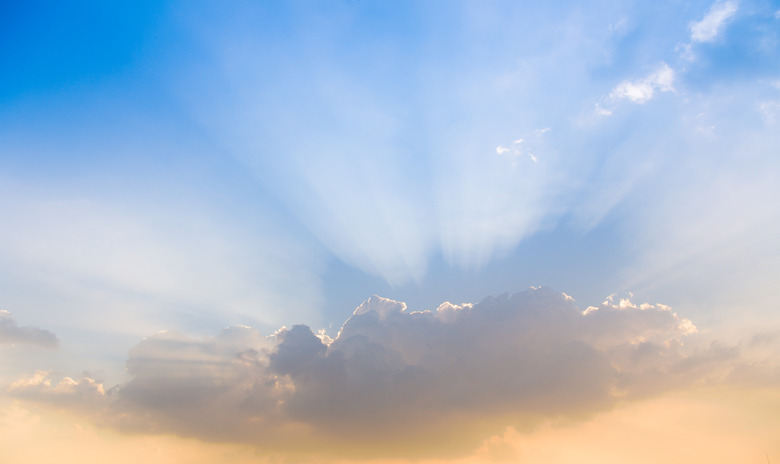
(405, 383)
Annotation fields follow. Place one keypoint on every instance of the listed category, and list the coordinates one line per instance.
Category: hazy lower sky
(353, 231)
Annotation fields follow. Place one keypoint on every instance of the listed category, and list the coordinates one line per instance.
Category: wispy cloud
(642, 90)
(11, 333)
(162, 251)
(713, 23)
(521, 146)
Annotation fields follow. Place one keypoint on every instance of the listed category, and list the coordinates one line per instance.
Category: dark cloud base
(11, 333)
(401, 383)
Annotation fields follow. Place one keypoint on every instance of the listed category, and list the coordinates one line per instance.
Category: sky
(389, 232)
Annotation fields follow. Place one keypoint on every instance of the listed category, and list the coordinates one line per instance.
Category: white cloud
(11, 333)
(520, 147)
(643, 90)
(396, 376)
(602, 111)
(708, 29)
(686, 51)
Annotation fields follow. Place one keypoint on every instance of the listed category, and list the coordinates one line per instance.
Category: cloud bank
(11, 333)
(400, 382)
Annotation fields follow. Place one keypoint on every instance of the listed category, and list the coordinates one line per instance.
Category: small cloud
(643, 90)
(686, 51)
(769, 109)
(602, 111)
(520, 147)
(85, 394)
(636, 92)
(708, 29)
(10, 333)
(619, 27)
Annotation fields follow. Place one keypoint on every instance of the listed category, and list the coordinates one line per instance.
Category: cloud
(66, 392)
(769, 109)
(400, 382)
(708, 29)
(10, 333)
(520, 147)
(602, 111)
(643, 90)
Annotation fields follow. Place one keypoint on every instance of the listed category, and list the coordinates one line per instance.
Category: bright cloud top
(400, 382)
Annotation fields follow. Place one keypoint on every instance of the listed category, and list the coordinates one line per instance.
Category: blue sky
(192, 166)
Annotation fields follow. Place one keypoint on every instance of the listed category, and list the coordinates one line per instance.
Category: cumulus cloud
(67, 391)
(708, 29)
(85, 396)
(642, 90)
(11, 333)
(395, 381)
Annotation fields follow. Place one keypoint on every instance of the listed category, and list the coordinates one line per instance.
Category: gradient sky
(198, 201)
